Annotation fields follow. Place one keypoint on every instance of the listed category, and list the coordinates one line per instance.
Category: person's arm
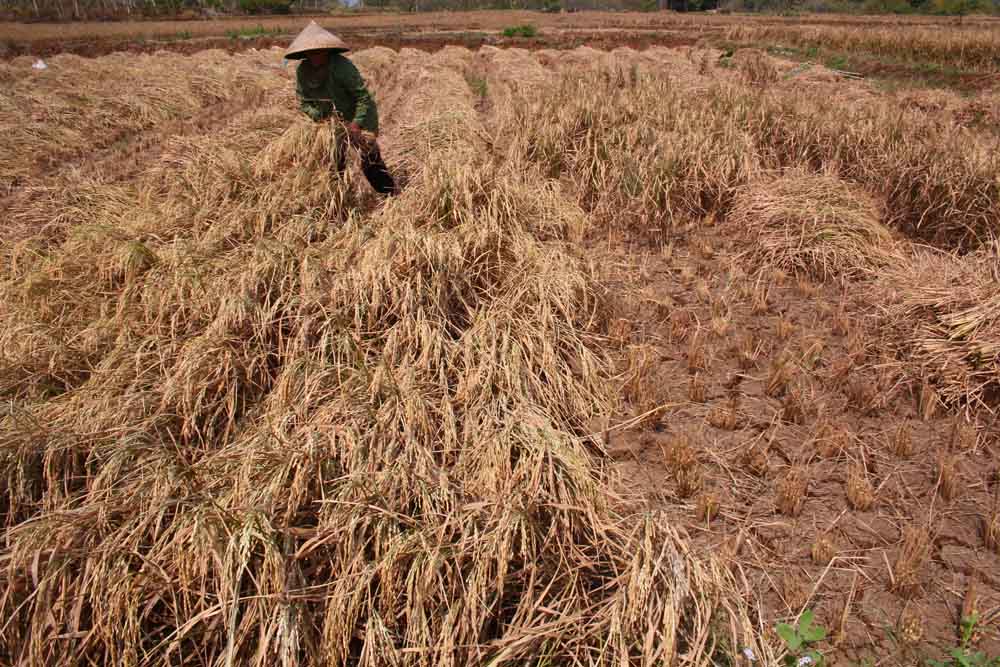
(365, 112)
(310, 108)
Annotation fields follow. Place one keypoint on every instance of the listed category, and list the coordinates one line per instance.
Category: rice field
(656, 350)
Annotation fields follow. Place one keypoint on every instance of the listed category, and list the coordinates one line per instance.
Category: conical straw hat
(314, 38)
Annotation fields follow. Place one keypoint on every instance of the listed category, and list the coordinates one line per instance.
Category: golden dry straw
(815, 224)
(946, 319)
(258, 418)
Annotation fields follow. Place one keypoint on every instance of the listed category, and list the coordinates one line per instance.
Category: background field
(660, 346)
(955, 52)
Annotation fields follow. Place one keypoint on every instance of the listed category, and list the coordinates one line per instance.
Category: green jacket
(338, 85)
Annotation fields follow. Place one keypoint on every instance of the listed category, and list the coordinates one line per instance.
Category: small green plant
(962, 655)
(837, 62)
(249, 33)
(526, 30)
(799, 640)
(929, 68)
(183, 34)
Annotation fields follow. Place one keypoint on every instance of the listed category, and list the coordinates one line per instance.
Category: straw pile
(509, 71)
(967, 47)
(260, 422)
(377, 64)
(939, 183)
(649, 150)
(642, 152)
(435, 112)
(945, 311)
(815, 224)
(76, 105)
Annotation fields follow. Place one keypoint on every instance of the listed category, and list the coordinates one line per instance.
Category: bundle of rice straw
(813, 223)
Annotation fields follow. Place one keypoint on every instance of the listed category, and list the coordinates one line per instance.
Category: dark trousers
(372, 166)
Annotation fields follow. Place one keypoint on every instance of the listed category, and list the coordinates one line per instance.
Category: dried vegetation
(253, 415)
(78, 105)
(972, 46)
(815, 224)
(947, 310)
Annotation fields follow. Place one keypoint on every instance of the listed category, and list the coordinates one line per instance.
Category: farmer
(329, 85)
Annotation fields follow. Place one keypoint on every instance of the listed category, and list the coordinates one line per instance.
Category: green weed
(249, 33)
(799, 640)
(526, 30)
(962, 655)
(837, 62)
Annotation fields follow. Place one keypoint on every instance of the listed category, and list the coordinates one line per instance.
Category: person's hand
(363, 139)
(354, 132)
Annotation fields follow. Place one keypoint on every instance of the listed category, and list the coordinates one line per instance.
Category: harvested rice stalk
(814, 224)
(329, 436)
(946, 319)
